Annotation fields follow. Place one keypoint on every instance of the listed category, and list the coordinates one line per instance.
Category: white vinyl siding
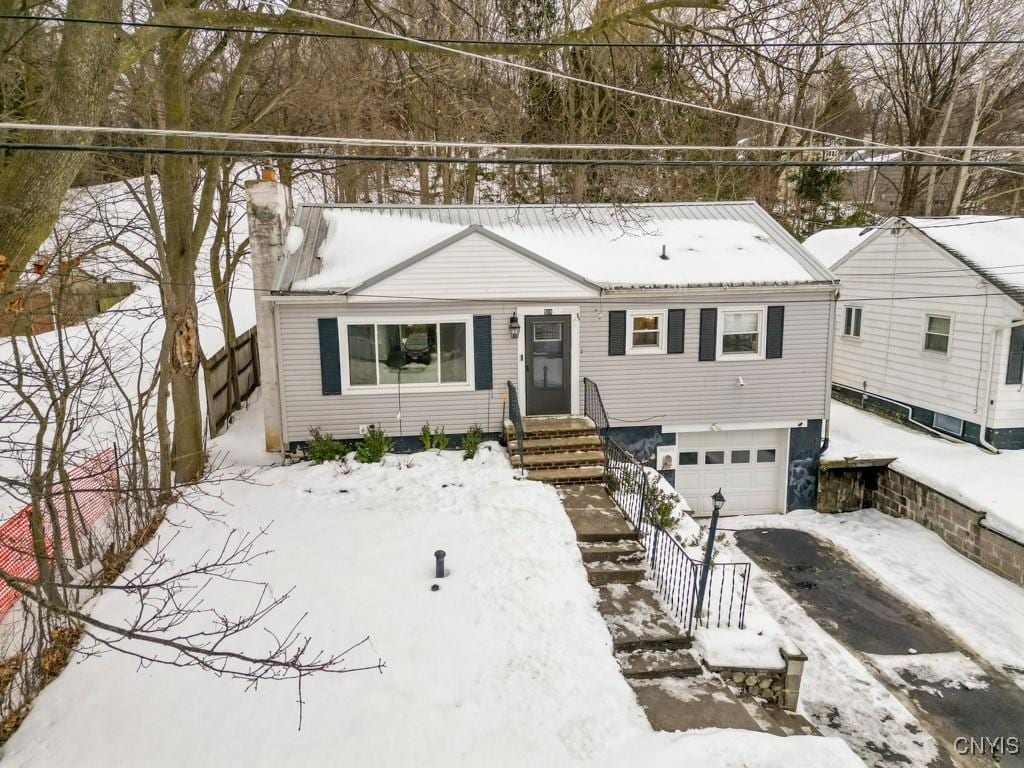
(636, 389)
(475, 267)
(890, 358)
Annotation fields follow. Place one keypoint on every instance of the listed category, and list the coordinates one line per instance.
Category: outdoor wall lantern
(513, 325)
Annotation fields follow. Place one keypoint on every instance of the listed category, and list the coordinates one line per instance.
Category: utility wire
(358, 141)
(839, 44)
(940, 162)
(593, 83)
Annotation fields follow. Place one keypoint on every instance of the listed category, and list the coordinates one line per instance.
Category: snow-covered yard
(509, 663)
(993, 484)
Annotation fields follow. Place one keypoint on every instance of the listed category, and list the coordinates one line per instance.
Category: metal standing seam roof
(582, 219)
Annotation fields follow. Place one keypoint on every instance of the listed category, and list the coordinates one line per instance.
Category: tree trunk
(32, 184)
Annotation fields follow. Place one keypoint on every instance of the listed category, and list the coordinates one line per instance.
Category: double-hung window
(645, 332)
(741, 332)
(937, 330)
(851, 322)
(384, 354)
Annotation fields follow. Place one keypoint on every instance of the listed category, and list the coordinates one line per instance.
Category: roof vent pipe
(664, 255)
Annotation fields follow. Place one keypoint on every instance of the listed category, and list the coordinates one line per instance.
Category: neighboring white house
(705, 327)
(929, 321)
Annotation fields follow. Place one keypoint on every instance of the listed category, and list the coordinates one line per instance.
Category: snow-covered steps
(622, 550)
(606, 572)
(557, 426)
(589, 441)
(568, 475)
(594, 515)
(636, 619)
(650, 664)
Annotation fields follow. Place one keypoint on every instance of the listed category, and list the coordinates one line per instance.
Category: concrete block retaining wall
(844, 488)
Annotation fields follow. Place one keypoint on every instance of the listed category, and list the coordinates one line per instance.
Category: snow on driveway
(993, 484)
(985, 611)
(508, 664)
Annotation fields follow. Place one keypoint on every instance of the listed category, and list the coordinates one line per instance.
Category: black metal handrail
(593, 406)
(673, 570)
(516, 417)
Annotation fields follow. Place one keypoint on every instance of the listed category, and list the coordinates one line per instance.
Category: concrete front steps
(560, 450)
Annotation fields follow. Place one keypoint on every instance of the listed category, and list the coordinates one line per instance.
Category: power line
(507, 43)
(593, 83)
(359, 141)
(941, 162)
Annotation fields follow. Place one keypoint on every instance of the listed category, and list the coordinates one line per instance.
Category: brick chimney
(269, 212)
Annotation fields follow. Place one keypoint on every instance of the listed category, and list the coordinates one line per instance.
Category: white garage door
(748, 465)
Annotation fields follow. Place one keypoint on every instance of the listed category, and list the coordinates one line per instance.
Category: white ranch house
(705, 328)
(931, 322)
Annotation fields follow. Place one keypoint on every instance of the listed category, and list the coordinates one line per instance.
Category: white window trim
(949, 336)
(856, 307)
(662, 315)
(762, 311)
(348, 388)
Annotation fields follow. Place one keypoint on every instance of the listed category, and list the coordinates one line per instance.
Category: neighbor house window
(741, 332)
(646, 332)
(385, 354)
(936, 333)
(851, 323)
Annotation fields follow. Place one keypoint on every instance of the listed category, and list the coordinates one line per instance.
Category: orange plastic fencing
(94, 485)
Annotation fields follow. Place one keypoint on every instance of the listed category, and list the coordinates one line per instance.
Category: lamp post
(717, 502)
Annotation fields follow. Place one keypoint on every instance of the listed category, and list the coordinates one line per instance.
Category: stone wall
(958, 525)
(848, 486)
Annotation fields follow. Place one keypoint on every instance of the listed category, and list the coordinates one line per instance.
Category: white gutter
(989, 398)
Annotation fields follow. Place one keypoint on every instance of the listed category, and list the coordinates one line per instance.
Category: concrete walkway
(676, 693)
(952, 693)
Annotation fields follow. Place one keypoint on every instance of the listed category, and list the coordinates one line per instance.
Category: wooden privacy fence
(231, 374)
(93, 492)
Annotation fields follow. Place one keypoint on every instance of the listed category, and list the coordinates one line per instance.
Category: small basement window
(740, 332)
(948, 424)
(646, 332)
(938, 329)
(851, 324)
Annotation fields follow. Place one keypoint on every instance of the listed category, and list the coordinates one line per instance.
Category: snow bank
(830, 245)
(509, 663)
(360, 245)
(992, 484)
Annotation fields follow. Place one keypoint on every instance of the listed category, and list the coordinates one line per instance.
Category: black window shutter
(482, 357)
(676, 330)
(708, 333)
(617, 333)
(1015, 363)
(330, 356)
(776, 321)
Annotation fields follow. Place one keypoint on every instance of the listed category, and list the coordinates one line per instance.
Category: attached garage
(748, 465)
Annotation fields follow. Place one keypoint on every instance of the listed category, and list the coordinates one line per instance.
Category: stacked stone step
(559, 450)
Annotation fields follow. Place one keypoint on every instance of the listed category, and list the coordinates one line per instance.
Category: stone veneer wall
(844, 489)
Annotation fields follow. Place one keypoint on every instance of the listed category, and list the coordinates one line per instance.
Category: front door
(548, 364)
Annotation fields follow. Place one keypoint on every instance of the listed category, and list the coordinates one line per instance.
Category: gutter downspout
(989, 399)
(830, 355)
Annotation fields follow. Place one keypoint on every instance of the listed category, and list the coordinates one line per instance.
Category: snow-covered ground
(509, 663)
(985, 611)
(993, 484)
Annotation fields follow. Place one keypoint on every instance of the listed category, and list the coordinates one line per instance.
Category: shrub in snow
(433, 438)
(474, 437)
(323, 447)
(661, 506)
(372, 448)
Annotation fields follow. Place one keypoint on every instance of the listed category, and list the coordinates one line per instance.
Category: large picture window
(386, 354)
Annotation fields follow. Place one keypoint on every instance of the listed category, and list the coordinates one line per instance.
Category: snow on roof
(830, 245)
(992, 245)
(611, 252)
